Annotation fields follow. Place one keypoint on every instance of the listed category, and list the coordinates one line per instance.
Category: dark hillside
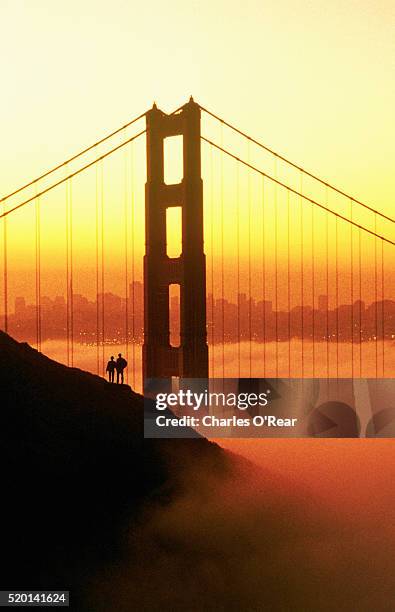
(74, 468)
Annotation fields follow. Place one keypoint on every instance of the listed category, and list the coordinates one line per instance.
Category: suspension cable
(95, 161)
(287, 161)
(74, 157)
(308, 199)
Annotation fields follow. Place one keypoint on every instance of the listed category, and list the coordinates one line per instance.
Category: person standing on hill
(111, 369)
(120, 365)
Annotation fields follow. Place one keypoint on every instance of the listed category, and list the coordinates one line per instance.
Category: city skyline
(232, 320)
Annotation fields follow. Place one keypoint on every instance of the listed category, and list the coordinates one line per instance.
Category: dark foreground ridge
(74, 468)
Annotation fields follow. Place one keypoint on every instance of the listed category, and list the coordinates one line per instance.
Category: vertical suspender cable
(102, 265)
(5, 271)
(276, 263)
(249, 265)
(238, 264)
(126, 258)
(382, 306)
(132, 227)
(67, 274)
(313, 285)
(71, 277)
(352, 292)
(360, 301)
(301, 271)
(263, 277)
(222, 259)
(376, 306)
(337, 295)
(38, 272)
(97, 274)
(289, 284)
(327, 284)
(212, 261)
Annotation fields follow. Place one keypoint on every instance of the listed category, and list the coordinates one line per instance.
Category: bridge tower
(190, 358)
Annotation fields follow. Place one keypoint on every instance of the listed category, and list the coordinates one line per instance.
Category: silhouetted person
(120, 365)
(111, 369)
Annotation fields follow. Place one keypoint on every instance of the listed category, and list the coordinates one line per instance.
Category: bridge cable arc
(308, 199)
(73, 158)
(95, 161)
(303, 170)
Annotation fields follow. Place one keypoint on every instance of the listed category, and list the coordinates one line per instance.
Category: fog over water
(251, 359)
(267, 537)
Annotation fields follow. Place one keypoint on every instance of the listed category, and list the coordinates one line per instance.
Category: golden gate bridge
(277, 273)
